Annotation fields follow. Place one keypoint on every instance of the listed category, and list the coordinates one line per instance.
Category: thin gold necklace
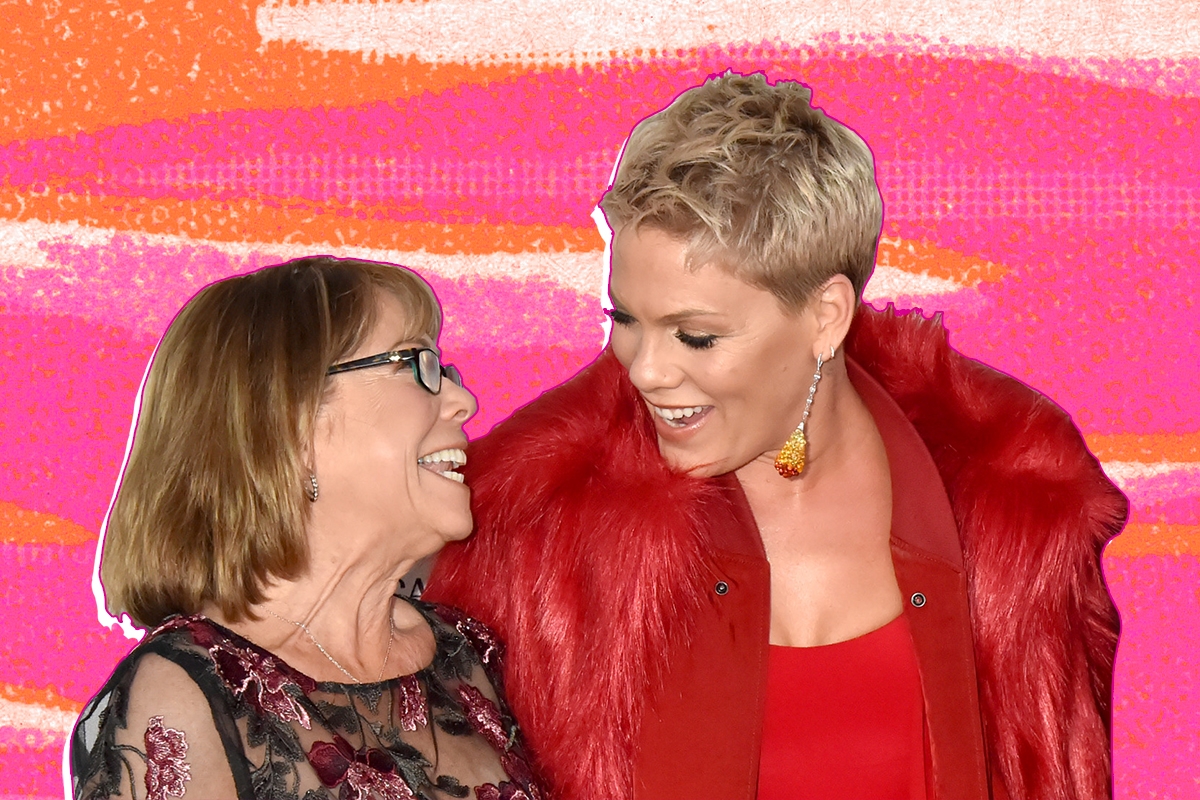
(386, 655)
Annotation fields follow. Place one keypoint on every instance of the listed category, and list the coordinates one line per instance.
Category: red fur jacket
(589, 556)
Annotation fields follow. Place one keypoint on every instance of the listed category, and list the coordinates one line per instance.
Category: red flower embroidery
(263, 681)
(516, 767)
(166, 769)
(413, 712)
(486, 643)
(505, 791)
(484, 717)
(359, 773)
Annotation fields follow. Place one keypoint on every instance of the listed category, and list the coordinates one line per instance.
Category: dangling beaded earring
(791, 459)
(311, 491)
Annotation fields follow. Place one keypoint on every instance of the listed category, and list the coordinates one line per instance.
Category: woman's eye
(696, 341)
(619, 317)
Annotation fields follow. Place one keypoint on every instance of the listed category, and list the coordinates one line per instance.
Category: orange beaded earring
(792, 458)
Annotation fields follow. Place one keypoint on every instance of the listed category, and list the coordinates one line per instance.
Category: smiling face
(385, 448)
(721, 365)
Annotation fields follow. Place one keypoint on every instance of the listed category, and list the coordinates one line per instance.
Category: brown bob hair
(211, 505)
(757, 181)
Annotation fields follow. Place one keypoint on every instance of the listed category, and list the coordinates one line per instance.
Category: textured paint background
(1038, 162)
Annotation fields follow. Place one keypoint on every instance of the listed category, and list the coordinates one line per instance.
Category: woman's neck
(838, 426)
(347, 607)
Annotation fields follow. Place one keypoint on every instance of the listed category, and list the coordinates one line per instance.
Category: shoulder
(165, 670)
(987, 431)
(158, 716)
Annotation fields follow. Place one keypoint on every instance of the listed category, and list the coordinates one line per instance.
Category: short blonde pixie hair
(755, 180)
(211, 505)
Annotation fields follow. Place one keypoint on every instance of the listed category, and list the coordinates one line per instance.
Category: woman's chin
(697, 465)
(459, 533)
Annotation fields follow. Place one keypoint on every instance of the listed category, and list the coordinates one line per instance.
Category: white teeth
(454, 476)
(454, 456)
(676, 413)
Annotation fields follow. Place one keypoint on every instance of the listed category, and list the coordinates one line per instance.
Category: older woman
(772, 542)
(297, 451)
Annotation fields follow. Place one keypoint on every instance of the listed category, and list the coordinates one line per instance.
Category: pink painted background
(1046, 200)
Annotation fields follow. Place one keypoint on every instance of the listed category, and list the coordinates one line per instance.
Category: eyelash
(702, 342)
(693, 341)
(618, 317)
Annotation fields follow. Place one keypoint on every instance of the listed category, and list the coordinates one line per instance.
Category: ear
(833, 308)
(314, 425)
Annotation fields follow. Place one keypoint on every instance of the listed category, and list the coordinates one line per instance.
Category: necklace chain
(386, 655)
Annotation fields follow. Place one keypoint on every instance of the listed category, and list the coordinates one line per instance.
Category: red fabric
(700, 735)
(593, 561)
(845, 721)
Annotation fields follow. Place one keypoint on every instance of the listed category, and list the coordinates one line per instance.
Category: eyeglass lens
(429, 370)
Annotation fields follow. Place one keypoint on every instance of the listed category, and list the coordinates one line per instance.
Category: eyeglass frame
(410, 356)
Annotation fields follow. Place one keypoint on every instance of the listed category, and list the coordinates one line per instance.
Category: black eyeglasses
(426, 365)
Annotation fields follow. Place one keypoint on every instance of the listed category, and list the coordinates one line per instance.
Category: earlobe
(836, 302)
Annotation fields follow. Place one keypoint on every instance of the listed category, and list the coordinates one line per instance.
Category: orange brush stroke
(923, 258)
(22, 526)
(81, 66)
(1156, 539)
(294, 221)
(1145, 447)
(298, 221)
(47, 698)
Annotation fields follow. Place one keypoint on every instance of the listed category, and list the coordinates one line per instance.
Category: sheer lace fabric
(196, 710)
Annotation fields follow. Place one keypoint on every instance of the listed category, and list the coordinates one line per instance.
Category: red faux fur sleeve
(1034, 511)
(587, 560)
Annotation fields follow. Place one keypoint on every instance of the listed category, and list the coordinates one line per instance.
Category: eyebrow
(403, 344)
(674, 318)
(685, 314)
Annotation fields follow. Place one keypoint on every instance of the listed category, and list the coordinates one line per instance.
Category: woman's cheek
(624, 344)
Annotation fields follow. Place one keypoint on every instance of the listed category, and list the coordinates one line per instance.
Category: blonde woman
(775, 543)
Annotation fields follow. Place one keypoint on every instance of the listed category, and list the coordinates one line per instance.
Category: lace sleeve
(151, 734)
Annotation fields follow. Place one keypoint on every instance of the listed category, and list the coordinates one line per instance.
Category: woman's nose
(651, 368)
(458, 403)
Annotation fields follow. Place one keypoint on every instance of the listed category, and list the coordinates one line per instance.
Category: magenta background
(1084, 188)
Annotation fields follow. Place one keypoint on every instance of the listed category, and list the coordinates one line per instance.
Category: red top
(845, 720)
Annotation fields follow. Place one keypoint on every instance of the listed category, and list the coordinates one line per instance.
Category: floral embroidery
(271, 705)
(166, 769)
(505, 791)
(263, 681)
(517, 768)
(481, 637)
(413, 710)
(484, 717)
(358, 772)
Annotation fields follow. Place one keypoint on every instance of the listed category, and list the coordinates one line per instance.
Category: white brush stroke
(1126, 473)
(557, 33)
(22, 247)
(14, 714)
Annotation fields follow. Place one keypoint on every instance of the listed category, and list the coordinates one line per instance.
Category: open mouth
(680, 416)
(444, 463)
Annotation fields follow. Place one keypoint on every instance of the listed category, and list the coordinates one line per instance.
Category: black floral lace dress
(196, 710)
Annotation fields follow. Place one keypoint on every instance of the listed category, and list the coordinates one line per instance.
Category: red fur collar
(576, 510)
